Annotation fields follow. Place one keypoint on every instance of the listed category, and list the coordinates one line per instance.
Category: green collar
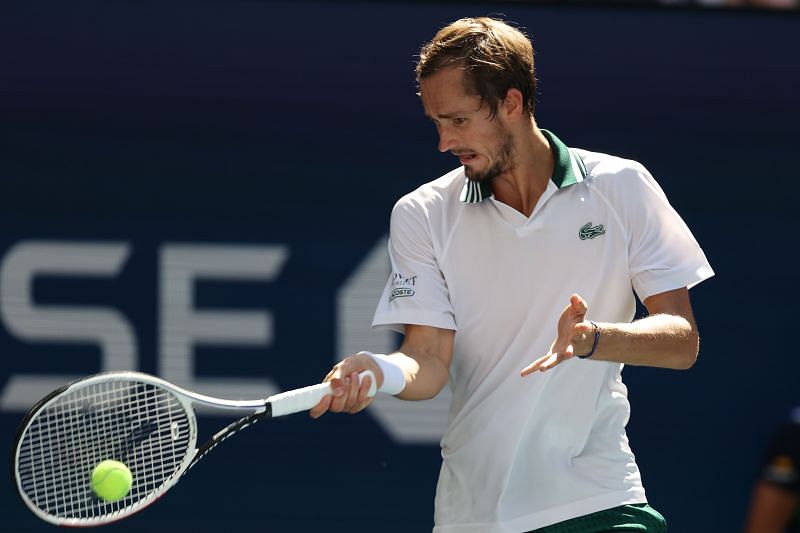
(568, 170)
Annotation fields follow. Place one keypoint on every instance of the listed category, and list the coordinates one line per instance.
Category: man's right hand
(348, 395)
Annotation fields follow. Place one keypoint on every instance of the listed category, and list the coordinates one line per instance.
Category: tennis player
(513, 280)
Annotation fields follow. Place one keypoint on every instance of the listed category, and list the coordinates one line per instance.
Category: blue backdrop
(140, 140)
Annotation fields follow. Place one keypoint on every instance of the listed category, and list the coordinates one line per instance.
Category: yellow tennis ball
(111, 480)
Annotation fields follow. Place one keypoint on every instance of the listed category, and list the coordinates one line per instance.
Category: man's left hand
(572, 329)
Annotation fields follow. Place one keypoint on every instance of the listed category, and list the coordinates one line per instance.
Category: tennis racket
(138, 419)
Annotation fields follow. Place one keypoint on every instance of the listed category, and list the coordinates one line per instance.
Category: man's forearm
(425, 375)
(661, 340)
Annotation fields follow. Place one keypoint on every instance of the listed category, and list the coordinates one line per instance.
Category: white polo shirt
(523, 453)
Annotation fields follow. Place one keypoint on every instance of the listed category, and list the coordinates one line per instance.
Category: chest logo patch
(588, 231)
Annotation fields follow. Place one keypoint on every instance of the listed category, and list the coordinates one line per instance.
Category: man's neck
(531, 170)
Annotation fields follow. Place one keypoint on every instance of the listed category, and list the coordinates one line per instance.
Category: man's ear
(512, 104)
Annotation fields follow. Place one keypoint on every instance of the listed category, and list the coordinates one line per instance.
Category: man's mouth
(466, 157)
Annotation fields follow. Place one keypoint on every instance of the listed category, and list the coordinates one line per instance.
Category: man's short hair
(495, 57)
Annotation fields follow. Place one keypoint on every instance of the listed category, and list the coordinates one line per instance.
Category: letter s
(104, 327)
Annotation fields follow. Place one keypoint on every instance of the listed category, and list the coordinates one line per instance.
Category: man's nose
(447, 140)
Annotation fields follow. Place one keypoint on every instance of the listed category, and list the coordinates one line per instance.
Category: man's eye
(459, 121)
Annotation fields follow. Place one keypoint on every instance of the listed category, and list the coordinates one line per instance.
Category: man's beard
(502, 161)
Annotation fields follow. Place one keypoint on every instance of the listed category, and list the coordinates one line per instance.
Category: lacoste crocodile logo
(588, 231)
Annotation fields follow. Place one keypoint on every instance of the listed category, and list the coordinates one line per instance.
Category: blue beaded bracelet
(594, 344)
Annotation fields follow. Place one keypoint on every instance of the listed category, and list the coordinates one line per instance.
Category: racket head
(130, 417)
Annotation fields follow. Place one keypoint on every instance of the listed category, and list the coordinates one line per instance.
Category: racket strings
(139, 424)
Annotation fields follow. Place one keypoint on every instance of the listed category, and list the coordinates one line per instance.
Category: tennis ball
(111, 480)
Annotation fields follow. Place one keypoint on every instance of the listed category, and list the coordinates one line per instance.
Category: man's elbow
(686, 355)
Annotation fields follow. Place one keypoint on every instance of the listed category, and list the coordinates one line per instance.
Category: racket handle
(297, 400)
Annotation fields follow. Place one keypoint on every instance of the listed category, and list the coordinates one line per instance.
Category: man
(775, 503)
(484, 261)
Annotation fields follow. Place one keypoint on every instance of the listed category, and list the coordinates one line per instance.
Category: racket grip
(297, 400)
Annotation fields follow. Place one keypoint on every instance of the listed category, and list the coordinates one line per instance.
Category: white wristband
(394, 381)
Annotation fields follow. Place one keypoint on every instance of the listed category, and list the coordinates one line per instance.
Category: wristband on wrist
(594, 344)
(394, 381)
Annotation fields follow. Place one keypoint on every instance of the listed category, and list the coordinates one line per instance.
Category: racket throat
(229, 431)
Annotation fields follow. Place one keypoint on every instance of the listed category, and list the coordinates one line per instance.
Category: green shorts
(636, 517)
